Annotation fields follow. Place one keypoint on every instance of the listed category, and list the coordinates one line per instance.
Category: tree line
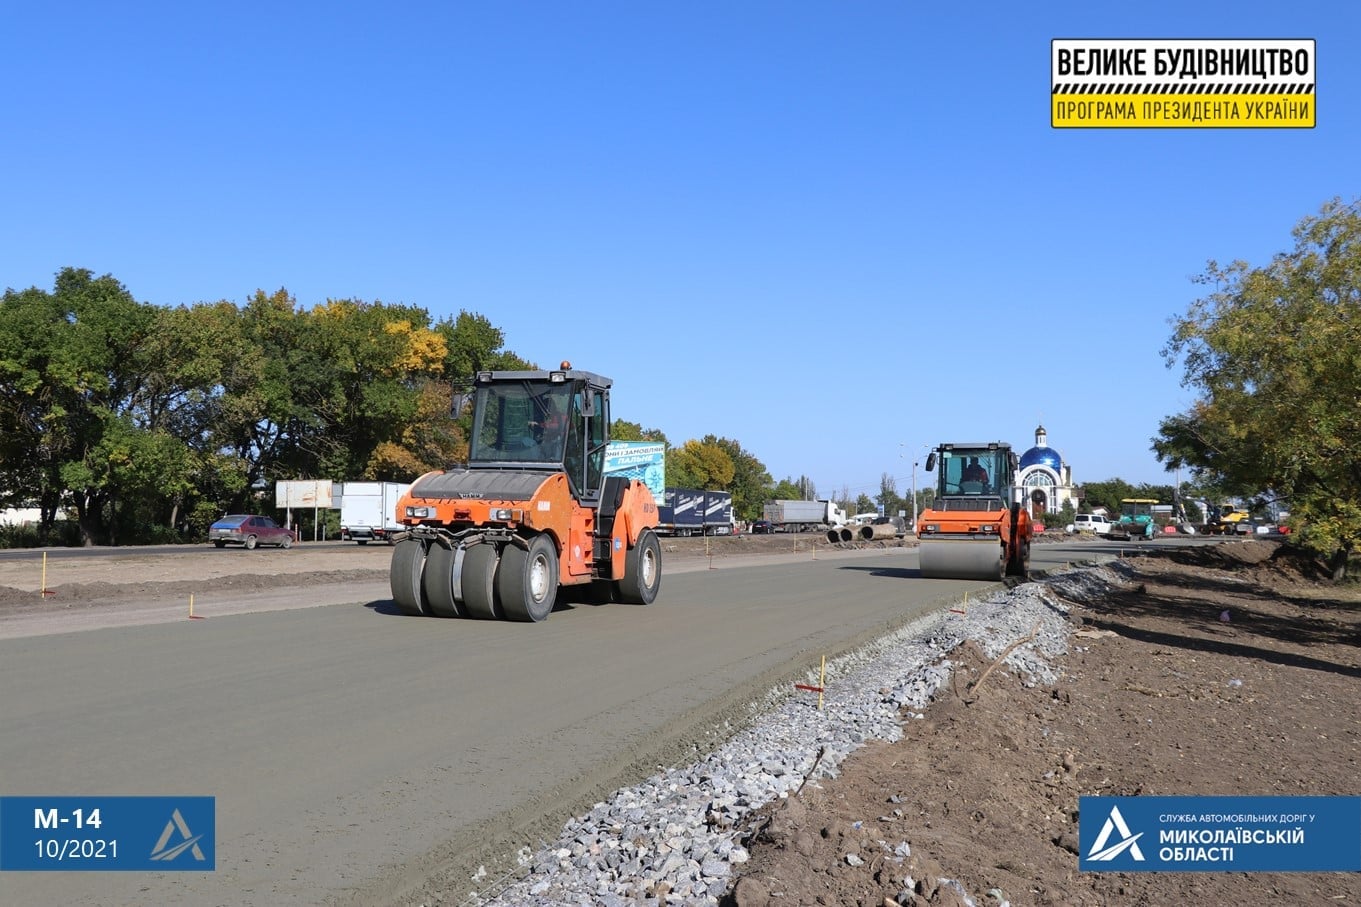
(146, 422)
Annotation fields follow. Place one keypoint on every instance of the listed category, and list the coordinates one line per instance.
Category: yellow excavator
(1225, 519)
(976, 528)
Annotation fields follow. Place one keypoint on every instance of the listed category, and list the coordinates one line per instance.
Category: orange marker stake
(43, 591)
(822, 683)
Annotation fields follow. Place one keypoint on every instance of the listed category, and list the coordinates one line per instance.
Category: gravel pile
(674, 837)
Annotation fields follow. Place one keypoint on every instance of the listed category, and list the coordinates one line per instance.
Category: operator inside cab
(974, 478)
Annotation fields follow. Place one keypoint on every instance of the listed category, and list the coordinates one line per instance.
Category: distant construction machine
(977, 527)
(531, 511)
(1136, 520)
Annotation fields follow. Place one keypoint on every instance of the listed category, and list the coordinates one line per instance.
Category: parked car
(762, 527)
(1090, 522)
(899, 524)
(249, 531)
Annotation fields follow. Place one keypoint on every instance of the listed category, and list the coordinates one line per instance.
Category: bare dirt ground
(1227, 670)
(1217, 671)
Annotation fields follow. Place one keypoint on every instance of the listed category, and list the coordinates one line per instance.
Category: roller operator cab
(532, 510)
(976, 528)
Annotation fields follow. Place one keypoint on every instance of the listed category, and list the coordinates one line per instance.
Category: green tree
(788, 489)
(1275, 354)
(750, 479)
(698, 464)
(888, 498)
(34, 435)
(472, 344)
(75, 363)
(1058, 519)
(1108, 494)
(634, 431)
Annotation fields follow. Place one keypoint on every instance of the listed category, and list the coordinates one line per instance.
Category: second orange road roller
(977, 527)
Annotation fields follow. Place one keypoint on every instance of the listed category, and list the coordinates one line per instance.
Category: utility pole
(914, 494)
(916, 461)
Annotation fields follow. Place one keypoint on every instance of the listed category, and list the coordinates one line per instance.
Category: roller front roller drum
(962, 559)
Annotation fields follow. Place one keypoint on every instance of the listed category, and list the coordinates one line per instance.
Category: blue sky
(837, 233)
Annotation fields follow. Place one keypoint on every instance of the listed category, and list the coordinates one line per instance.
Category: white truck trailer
(368, 511)
(803, 516)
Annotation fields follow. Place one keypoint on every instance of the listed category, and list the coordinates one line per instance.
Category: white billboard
(303, 493)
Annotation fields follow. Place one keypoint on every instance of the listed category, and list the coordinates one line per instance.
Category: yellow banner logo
(1181, 83)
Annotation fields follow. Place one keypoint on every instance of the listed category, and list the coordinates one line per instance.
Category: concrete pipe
(833, 536)
(878, 531)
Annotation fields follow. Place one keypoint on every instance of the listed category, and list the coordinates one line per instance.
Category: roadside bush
(12, 536)
(64, 534)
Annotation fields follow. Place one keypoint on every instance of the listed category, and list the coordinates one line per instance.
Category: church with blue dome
(1047, 480)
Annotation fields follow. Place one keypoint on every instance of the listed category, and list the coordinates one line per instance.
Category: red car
(249, 531)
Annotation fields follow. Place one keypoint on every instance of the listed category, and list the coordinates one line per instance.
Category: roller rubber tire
(408, 562)
(438, 582)
(642, 571)
(1018, 549)
(527, 581)
(479, 581)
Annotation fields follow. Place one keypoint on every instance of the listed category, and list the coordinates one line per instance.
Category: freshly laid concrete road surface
(355, 753)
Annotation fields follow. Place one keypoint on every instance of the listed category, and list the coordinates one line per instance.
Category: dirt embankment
(1231, 670)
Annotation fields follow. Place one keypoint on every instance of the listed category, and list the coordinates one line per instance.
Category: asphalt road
(355, 752)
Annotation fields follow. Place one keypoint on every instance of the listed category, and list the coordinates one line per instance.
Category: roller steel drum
(962, 559)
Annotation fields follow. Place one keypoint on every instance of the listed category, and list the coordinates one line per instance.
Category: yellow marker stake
(822, 681)
(42, 590)
(191, 604)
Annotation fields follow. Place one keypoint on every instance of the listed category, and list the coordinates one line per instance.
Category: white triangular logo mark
(189, 840)
(1116, 822)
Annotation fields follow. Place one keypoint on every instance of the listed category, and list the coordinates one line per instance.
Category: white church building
(1047, 480)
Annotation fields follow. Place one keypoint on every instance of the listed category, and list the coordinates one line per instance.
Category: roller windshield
(521, 422)
(972, 472)
(1139, 509)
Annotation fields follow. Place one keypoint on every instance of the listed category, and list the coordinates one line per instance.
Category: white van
(1090, 522)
